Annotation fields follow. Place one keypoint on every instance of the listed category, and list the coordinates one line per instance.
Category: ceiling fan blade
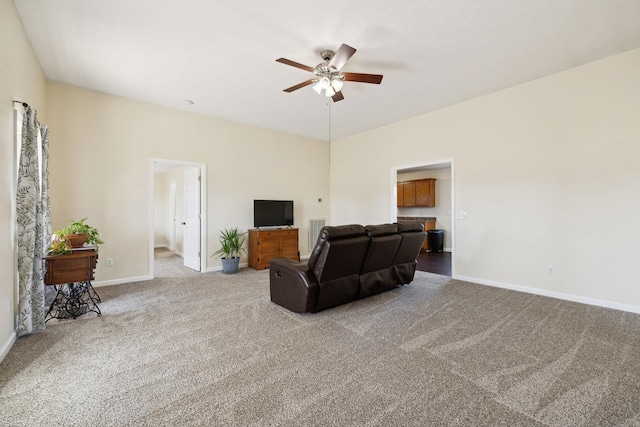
(363, 78)
(300, 85)
(337, 97)
(341, 56)
(294, 64)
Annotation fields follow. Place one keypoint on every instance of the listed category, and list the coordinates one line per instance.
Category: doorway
(172, 200)
(443, 173)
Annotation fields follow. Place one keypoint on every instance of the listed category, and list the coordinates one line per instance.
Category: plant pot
(77, 240)
(230, 266)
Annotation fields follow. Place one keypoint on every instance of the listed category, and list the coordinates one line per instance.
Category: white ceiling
(221, 53)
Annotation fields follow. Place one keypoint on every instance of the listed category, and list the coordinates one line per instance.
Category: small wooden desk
(71, 275)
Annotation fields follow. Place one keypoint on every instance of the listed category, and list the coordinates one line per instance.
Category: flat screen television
(272, 213)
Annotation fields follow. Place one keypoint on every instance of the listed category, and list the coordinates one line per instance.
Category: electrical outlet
(464, 215)
(109, 262)
(551, 270)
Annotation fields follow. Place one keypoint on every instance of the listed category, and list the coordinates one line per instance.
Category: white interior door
(191, 243)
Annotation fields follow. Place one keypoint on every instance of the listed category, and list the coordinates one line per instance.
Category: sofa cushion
(410, 226)
(412, 240)
(375, 276)
(381, 230)
(404, 262)
(330, 233)
(340, 258)
(384, 241)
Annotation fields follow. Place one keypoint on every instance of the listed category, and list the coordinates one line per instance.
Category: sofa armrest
(293, 285)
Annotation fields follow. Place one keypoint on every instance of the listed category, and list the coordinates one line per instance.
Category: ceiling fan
(327, 74)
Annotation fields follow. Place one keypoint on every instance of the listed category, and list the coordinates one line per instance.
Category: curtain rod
(24, 104)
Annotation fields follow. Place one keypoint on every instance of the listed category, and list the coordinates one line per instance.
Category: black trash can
(436, 240)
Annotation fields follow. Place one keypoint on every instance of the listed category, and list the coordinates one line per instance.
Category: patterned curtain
(31, 227)
(50, 292)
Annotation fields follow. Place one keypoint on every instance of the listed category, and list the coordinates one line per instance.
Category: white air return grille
(315, 225)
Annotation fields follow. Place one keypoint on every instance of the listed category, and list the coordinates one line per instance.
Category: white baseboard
(7, 346)
(120, 281)
(160, 246)
(552, 294)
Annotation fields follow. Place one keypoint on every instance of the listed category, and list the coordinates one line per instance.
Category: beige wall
(547, 172)
(20, 79)
(101, 148)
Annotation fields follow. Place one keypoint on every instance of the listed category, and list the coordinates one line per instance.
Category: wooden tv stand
(272, 243)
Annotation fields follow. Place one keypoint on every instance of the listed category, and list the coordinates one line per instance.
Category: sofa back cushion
(375, 276)
(413, 236)
(339, 252)
(384, 241)
(404, 263)
(336, 261)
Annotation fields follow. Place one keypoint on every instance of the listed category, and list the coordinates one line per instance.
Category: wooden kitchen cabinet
(267, 244)
(409, 193)
(417, 193)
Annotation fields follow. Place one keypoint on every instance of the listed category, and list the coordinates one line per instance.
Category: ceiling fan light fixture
(323, 83)
(329, 91)
(337, 84)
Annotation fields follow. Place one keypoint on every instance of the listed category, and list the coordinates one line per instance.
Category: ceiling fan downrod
(326, 55)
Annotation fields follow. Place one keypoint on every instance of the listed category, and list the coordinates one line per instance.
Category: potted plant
(60, 244)
(231, 241)
(74, 235)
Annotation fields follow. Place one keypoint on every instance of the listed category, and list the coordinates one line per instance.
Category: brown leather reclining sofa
(349, 262)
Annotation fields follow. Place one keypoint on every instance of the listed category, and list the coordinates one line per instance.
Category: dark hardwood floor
(435, 262)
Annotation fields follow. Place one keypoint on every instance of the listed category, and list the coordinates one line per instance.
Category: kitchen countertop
(417, 218)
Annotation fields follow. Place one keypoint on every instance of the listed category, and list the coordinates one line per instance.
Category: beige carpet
(212, 350)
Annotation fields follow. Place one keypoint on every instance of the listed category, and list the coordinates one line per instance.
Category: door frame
(172, 214)
(428, 165)
(153, 162)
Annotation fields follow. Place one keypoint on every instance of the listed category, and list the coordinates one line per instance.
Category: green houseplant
(60, 244)
(231, 242)
(74, 235)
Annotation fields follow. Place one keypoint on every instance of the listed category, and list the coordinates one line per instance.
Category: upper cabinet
(418, 193)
